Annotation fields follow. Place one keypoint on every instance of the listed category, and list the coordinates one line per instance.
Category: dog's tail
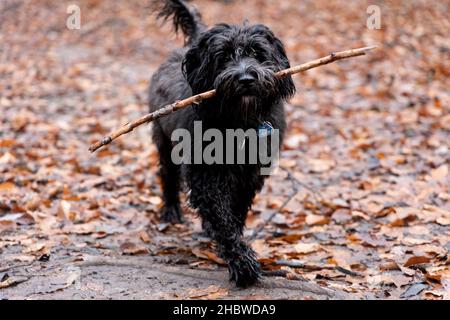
(184, 17)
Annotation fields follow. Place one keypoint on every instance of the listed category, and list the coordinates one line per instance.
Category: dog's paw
(171, 214)
(244, 271)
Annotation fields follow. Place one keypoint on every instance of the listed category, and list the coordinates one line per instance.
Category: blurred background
(368, 137)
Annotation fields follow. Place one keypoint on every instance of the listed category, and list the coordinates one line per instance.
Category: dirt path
(145, 278)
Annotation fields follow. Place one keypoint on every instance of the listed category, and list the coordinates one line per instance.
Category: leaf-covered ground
(365, 165)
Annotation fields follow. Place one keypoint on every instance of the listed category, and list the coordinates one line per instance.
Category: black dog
(239, 62)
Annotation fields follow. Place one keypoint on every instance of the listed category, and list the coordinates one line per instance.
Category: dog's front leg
(215, 197)
(170, 178)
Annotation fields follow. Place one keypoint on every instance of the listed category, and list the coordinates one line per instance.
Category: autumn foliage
(365, 164)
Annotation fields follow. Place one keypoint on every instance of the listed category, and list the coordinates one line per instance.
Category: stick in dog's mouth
(197, 99)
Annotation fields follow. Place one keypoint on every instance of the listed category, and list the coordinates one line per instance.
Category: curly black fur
(239, 62)
(186, 18)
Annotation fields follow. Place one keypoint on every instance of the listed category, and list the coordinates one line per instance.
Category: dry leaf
(320, 165)
(208, 255)
(130, 248)
(316, 220)
(440, 173)
(7, 187)
(64, 211)
(210, 293)
(143, 235)
(11, 281)
(305, 248)
(416, 260)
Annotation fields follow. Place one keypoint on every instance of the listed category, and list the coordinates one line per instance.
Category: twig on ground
(300, 265)
(27, 264)
(12, 281)
(164, 111)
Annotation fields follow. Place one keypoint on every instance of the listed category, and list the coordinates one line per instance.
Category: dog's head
(239, 62)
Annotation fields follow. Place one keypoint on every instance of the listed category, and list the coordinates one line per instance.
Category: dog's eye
(253, 53)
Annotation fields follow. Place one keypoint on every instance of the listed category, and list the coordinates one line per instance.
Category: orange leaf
(416, 260)
(133, 249)
(208, 255)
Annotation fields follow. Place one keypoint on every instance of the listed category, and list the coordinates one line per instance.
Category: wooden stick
(164, 111)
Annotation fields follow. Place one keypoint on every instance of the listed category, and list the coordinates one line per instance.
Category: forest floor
(365, 164)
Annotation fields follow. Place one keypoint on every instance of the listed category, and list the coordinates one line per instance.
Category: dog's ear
(192, 67)
(286, 85)
(279, 53)
(199, 68)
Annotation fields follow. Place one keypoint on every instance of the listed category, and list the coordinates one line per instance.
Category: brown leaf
(130, 248)
(64, 211)
(100, 235)
(7, 187)
(33, 203)
(143, 235)
(341, 216)
(320, 165)
(409, 241)
(294, 141)
(305, 248)
(316, 220)
(37, 248)
(210, 293)
(443, 221)
(416, 260)
(389, 265)
(440, 173)
(25, 219)
(208, 255)
(6, 225)
(11, 281)
(433, 277)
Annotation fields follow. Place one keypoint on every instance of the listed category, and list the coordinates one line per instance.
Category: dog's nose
(246, 79)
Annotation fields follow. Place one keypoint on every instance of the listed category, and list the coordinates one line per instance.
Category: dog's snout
(246, 79)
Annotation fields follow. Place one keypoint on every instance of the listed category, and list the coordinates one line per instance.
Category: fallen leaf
(440, 173)
(33, 203)
(413, 290)
(341, 216)
(7, 187)
(130, 248)
(433, 277)
(320, 165)
(409, 241)
(64, 211)
(38, 247)
(416, 260)
(208, 255)
(316, 220)
(305, 248)
(143, 235)
(390, 265)
(294, 141)
(11, 281)
(209, 293)
(443, 221)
